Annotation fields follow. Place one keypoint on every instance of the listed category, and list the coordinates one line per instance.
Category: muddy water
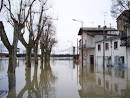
(62, 79)
(57, 80)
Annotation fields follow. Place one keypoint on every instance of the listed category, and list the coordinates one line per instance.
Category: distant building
(90, 36)
(114, 55)
(123, 25)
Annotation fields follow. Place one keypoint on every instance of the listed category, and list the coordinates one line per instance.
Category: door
(92, 63)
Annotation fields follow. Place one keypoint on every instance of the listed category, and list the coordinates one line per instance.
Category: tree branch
(22, 40)
(11, 15)
(28, 11)
(20, 11)
(1, 6)
(4, 37)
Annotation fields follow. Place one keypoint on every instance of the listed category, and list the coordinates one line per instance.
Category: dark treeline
(27, 17)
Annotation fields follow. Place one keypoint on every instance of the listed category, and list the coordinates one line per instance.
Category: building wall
(87, 53)
(111, 52)
(128, 56)
(88, 41)
(88, 49)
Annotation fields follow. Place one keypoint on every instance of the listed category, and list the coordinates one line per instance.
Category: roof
(125, 13)
(109, 39)
(94, 30)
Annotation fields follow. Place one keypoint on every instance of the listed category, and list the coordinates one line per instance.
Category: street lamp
(78, 21)
(81, 40)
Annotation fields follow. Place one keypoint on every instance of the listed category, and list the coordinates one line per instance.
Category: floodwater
(57, 80)
(62, 79)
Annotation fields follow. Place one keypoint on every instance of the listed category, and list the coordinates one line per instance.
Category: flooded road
(58, 80)
(62, 79)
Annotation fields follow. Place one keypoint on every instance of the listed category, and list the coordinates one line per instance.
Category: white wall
(120, 51)
(128, 56)
(88, 41)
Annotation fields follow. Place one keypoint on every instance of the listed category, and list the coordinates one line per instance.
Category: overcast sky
(91, 12)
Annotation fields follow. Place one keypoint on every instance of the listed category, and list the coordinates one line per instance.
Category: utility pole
(73, 51)
(77, 49)
(81, 47)
(81, 41)
(104, 55)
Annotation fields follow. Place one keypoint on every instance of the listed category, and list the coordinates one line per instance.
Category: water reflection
(28, 85)
(113, 83)
(11, 85)
(37, 88)
(35, 82)
(47, 79)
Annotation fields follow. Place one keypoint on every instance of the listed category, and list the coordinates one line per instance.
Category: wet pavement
(62, 79)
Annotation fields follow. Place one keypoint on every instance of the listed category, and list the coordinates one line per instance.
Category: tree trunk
(12, 85)
(12, 61)
(45, 58)
(36, 53)
(42, 54)
(13, 50)
(28, 56)
(35, 80)
(49, 55)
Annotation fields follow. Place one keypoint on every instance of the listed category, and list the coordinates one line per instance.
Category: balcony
(86, 46)
(125, 41)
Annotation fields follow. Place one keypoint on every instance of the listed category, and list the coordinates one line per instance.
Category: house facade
(88, 52)
(110, 54)
(89, 36)
(123, 26)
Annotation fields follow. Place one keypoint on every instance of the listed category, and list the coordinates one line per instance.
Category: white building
(112, 56)
(123, 25)
(89, 36)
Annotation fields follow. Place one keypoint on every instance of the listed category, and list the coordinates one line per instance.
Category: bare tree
(47, 41)
(118, 6)
(35, 29)
(40, 27)
(11, 85)
(1, 4)
(18, 22)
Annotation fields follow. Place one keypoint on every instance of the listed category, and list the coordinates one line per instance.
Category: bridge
(67, 52)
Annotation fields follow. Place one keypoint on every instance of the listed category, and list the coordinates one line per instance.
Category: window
(121, 60)
(106, 46)
(115, 45)
(108, 61)
(99, 47)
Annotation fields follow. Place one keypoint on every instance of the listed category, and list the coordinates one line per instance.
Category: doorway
(92, 63)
